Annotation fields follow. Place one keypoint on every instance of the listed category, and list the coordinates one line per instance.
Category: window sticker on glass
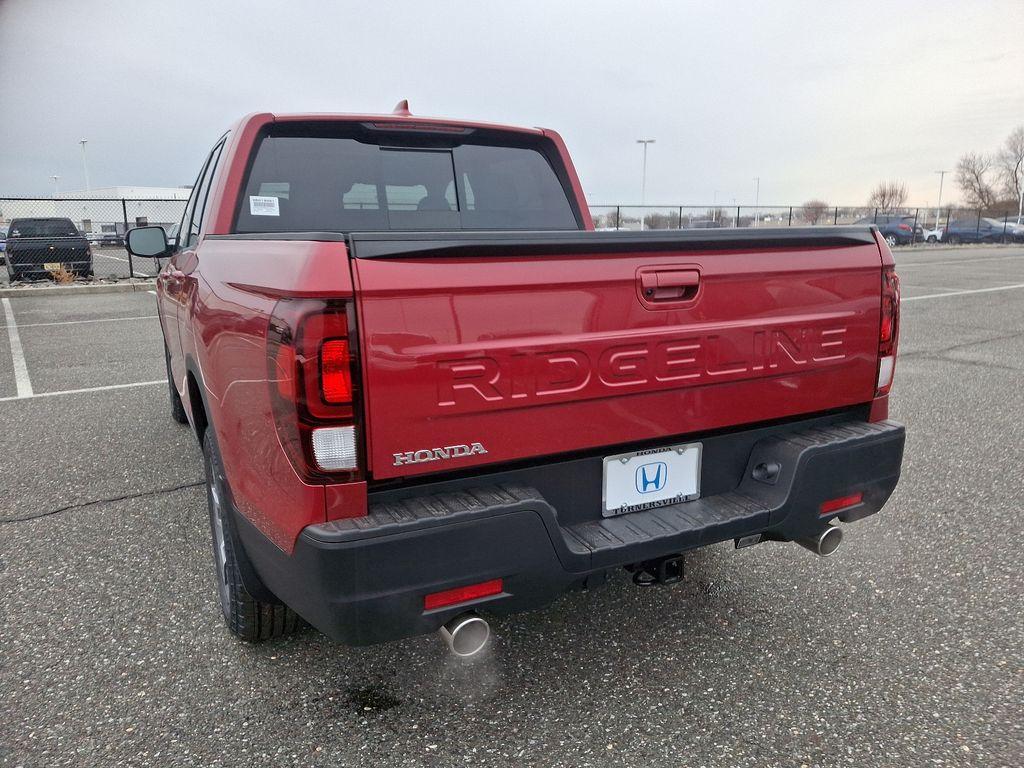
(264, 206)
(279, 189)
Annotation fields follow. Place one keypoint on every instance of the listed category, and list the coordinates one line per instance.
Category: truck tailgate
(493, 347)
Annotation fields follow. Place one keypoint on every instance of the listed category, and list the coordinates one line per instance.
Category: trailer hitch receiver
(662, 570)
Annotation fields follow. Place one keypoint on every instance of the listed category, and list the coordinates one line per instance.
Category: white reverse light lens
(335, 448)
(885, 366)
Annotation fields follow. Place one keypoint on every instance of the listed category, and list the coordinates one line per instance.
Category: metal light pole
(1020, 202)
(643, 180)
(85, 165)
(757, 197)
(56, 187)
(938, 204)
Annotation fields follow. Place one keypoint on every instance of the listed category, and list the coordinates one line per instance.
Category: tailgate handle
(670, 285)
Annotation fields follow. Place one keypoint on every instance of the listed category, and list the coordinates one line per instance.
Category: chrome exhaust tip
(825, 543)
(466, 634)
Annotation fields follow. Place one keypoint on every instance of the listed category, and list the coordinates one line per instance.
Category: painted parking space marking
(122, 260)
(104, 388)
(963, 293)
(91, 320)
(21, 379)
(906, 264)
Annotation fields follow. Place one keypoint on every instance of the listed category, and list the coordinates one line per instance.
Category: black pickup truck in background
(38, 247)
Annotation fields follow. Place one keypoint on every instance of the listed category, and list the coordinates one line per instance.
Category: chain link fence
(901, 226)
(75, 239)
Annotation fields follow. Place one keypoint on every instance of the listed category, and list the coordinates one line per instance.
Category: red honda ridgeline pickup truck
(425, 386)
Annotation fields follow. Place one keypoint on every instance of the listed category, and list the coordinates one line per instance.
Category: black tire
(892, 241)
(932, 239)
(177, 407)
(953, 239)
(249, 619)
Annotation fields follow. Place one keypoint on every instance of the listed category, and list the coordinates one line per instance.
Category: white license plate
(51, 266)
(651, 478)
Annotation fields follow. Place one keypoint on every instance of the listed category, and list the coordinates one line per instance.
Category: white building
(131, 193)
(109, 209)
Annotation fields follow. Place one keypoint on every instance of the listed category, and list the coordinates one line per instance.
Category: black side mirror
(150, 242)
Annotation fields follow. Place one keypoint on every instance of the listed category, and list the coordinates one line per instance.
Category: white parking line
(964, 293)
(21, 379)
(31, 396)
(956, 261)
(120, 258)
(93, 320)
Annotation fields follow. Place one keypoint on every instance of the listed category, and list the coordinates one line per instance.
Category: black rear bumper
(25, 263)
(363, 580)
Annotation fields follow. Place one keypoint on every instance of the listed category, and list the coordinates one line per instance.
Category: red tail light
(312, 370)
(336, 371)
(905, 227)
(889, 328)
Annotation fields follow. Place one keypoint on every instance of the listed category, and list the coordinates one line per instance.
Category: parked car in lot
(3, 239)
(109, 239)
(39, 246)
(983, 230)
(931, 235)
(896, 229)
(1007, 230)
(426, 388)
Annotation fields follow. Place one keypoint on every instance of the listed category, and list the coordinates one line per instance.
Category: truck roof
(400, 116)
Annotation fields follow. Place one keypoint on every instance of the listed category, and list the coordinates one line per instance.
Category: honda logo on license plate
(651, 477)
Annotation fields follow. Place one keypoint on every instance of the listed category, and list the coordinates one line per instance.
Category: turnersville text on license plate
(51, 266)
(651, 478)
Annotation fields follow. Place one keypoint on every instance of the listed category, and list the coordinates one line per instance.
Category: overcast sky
(818, 99)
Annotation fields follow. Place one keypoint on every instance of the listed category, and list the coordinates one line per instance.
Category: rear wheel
(932, 239)
(177, 408)
(247, 617)
(892, 241)
(953, 239)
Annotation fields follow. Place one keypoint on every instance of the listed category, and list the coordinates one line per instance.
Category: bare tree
(974, 177)
(1010, 164)
(888, 195)
(813, 211)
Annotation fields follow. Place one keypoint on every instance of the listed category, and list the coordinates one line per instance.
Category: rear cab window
(346, 177)
(43, 228)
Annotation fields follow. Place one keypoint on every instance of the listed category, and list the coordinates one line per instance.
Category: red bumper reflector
(834, 505)
(462, 594)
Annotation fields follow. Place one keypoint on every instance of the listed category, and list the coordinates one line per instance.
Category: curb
(128, 286)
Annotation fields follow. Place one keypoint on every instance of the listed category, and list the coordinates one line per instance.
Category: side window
(190, 206)
(202, 192)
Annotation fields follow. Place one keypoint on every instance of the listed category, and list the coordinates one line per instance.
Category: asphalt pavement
(905, 649)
